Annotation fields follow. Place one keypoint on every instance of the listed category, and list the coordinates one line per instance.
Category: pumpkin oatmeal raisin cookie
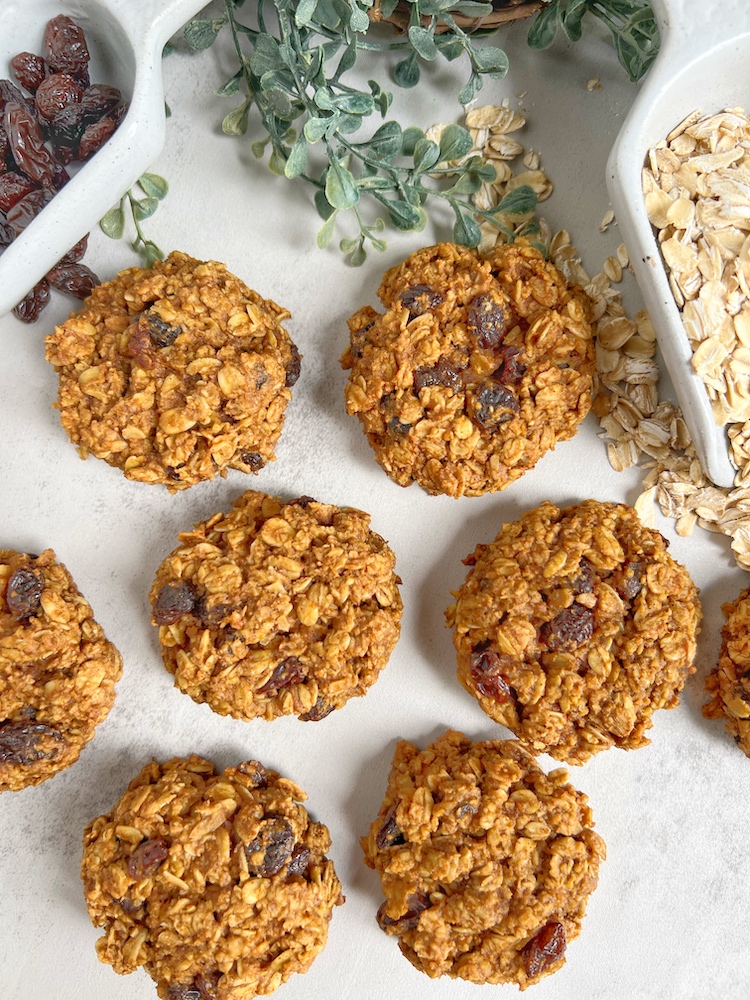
(477, 367)
(175, 373)
(729, 682)
(573, 627)
(277, 608)
(57, 669)
(217, 884)
(485, 861)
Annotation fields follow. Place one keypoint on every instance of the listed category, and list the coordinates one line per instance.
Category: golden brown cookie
(729, 681)
(175, 373)
(57, 669)
(573, 627)
(477, 367)
(277, 608)
(217, 884)
(486, 862)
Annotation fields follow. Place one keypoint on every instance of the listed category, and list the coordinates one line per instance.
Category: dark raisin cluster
(66, 119)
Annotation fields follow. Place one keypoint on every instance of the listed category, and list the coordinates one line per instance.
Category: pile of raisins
(65, 120)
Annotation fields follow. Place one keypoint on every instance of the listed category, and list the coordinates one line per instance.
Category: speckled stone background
(670, 919)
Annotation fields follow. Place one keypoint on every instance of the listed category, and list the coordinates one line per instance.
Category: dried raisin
(25, 742)
(10, 94)
(207, 984)
(270, 850)
(7, 233)
(24, 591)
(293, 368)
(27, 144)
(255, 771)
(75, 279)
(160, 332)
(545, 948)
(420, 299)
(66, 129)
(487, 322)
(494, 404)
(583, 581)
(98, 99)
(33, 302)
(75, 253)
(441, 373)
(389, 834)
(570, 627)
(26, 209)
(183, 991)
(288, 672)
(418, 902)
(510, 371)
(29, 70)
(627, 580)
(94, 136)
(172, 602)
(486, 666)
(13, 187)
(65, 47)
(253, 460)
(299, 862)
(147, 858)
(55, 93)
(319, 711)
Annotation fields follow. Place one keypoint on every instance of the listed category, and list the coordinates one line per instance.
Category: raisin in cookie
(729, 682)
(573, 627)
(217, 884)
(486, 862)
(477, 367)
(57, 669)
(277, 608)
(175, 373)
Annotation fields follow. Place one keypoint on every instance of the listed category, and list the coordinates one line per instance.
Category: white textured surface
(671, 917)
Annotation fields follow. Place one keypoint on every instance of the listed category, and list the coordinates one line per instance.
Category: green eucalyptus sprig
(292, 66)
(635, 33)
(140, 206)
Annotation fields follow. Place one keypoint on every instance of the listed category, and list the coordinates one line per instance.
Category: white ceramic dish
(704, 63)
(125, 38)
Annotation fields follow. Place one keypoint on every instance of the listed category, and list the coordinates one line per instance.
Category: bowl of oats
(679, 179)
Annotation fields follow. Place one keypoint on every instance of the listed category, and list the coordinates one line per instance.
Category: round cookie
(573, 627)
(57, 669)
(729, 681)
(175, 373)
(217, 884)
(277, 608)
(477, 367)
(485, 861)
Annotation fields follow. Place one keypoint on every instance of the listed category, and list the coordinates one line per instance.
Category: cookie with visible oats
(485, 861)
(574, 626)
(729, 681)
(217, 884)
(175, 373)
(277, 608)
(476, 368)
(57, 669)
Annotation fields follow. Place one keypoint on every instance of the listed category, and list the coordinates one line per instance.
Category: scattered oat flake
(609, 218)
(593, 84)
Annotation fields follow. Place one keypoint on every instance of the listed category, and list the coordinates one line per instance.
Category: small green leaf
(358, 20)
(348, 245)
(153, 185)
(410, 138)
(379, 245)
(113, 223)
(375, 183)
(466, 231)
(201, 33)
(152, 253)
(324, 99)
(359, 256)
(467, 183)
(455, 142)
(279, 103)
(325, 233)
(315, 128)
(543, 30)
(489, 59)
(144, 208)
(406, 73)
(259, 148)
(297, 162)
(235, 123)
(423, 42)
(470, 9)
(403, 215)
(341, 187)
(355, 104)
(325, 210)
(572, 17)
(305, 12)
(518, 202)
(466, 94)
(450, 48)
(387, 140)
(231, 86)
(266, 56)
(347, 60)
(276, 163)
(426, 155)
